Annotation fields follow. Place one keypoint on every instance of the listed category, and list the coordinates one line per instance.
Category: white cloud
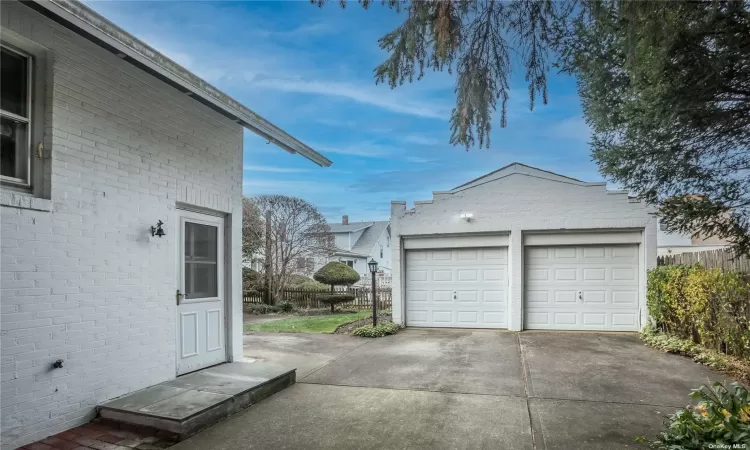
(418, 160)
(366, 94)
(420, 139)
(364, 149)
(275, 169)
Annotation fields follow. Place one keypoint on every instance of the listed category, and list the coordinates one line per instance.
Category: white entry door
(200, 294)
(582, 288)
(462, 288)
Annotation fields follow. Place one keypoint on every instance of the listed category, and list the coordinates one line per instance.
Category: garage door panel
(441, 296)
(594, 319)
(416, 275)
(494, 297)
(565, 297)
(467, 274)
(418, 296)
(587, 288)
(624, 297)
(462, 288)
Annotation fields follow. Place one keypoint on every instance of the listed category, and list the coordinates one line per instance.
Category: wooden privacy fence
(307, 298)
(722, 259)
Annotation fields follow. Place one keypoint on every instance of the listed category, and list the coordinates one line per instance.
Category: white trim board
(584, 238)
(455, 241)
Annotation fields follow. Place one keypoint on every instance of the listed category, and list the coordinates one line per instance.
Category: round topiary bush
(336, 274)
(334, 299)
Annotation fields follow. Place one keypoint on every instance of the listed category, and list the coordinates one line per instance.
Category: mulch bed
(349, 327)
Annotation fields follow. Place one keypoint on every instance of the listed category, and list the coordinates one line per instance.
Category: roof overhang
(89, 24)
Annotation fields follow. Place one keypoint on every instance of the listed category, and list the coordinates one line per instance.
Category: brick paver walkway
(106, 435)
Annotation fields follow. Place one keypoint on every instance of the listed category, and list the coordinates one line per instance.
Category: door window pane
(201, 268)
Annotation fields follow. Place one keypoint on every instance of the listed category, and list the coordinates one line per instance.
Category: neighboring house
(523, 248)
(102, 138)
(359, 242)
(676, 243)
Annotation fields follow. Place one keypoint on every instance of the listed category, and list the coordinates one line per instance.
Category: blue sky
(310, 71)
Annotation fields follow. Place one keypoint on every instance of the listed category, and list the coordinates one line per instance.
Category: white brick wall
(82, 278)
(513, 206)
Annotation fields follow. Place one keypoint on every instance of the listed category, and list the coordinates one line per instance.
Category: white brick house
(103, 137)
(357, 243)
(523, 248)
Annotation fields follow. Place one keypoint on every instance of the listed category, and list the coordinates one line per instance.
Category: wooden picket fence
(722, 258)
(306, 298)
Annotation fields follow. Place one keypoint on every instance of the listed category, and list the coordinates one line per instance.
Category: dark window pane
(200, 280)
(14, 73)
(13, 148)
(200, 242)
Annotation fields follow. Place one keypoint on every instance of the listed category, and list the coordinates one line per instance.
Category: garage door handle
(580, 296)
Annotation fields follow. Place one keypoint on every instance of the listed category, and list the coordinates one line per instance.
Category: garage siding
(582, 288)
(461, 288)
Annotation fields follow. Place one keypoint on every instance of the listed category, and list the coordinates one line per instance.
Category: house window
(381, 252)
(15, 117)
(350, 264)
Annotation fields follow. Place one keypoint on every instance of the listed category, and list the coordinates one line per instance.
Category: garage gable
(521, 169)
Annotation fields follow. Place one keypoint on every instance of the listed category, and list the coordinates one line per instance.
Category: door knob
(179, 295)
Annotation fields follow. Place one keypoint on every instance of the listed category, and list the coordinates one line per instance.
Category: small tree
(336, 274)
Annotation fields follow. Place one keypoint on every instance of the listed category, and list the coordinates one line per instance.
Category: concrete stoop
(200, 399)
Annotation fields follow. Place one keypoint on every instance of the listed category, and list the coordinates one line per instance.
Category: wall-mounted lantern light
(467, 216)
(158, 230)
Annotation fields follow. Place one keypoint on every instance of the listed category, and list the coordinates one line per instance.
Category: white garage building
(523, 248)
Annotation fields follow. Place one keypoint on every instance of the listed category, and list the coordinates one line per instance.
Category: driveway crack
(525, 376)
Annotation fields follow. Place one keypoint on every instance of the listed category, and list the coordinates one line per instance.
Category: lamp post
(373, 269)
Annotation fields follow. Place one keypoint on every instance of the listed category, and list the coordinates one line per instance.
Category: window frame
(29, 121)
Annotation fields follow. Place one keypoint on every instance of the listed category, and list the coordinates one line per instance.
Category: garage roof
(517, 167)
(91, 25)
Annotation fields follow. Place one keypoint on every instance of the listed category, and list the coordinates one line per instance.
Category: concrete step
(198, 400)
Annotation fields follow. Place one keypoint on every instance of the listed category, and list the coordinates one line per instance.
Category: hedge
(708, 306)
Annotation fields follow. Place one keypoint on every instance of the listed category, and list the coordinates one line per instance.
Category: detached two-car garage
(522, 248)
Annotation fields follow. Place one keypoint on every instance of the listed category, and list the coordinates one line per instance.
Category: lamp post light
(373, 270)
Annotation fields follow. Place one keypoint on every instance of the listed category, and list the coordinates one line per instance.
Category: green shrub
(285, 307)
(260, 309)
(734, 366)
(336, 274)
(708, 306)
(251, 279)
(721, 417)
(380, 330)
(334, 299)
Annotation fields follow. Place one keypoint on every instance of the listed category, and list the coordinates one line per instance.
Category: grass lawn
(308, 324)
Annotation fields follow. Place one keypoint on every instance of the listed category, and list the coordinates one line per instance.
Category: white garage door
(464, 288)
(582, 288)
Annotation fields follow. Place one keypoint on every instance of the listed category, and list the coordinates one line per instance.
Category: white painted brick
(82, 279)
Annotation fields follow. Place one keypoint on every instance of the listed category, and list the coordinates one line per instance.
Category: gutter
(86, 22)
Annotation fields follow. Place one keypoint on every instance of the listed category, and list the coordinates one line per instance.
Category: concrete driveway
(460, 389)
